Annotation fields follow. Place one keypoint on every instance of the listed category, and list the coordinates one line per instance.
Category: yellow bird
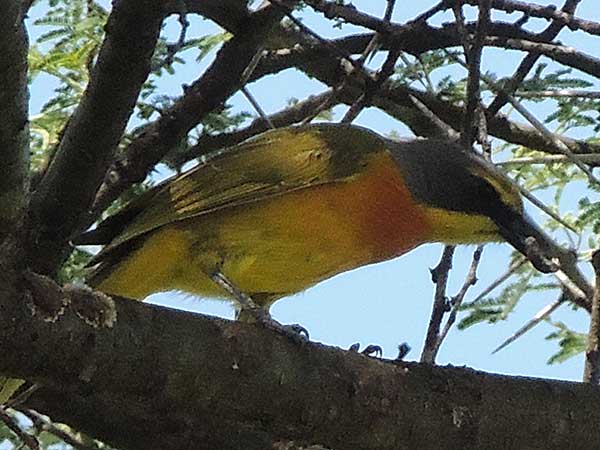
(291, 207)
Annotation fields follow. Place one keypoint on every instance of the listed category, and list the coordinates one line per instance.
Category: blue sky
(390, 303)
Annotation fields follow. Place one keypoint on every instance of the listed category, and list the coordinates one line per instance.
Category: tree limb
(562, 17)
(212, 89)
(14, 132)
(160, 378)
(93, 132)
(316, 61)
(208, 143)
(529, 61)
(229, 14)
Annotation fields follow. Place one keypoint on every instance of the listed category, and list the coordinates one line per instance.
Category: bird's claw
(373, 350)
(295, 332)
(403, 350)
(369, 350)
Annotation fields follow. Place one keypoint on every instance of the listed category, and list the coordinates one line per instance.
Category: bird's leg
(249, 311)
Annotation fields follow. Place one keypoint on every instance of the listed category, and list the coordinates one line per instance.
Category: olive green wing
(268, 165)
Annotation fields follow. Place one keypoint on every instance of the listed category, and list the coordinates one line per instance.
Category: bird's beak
(520, 231)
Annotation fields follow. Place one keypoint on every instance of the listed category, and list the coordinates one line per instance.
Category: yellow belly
(262, 248)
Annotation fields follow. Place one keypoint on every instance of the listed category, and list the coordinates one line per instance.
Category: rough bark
(14, 132)
(159, 378)
(93, 132)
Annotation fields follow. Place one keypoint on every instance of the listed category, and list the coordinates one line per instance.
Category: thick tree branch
(159, 378)
(14, 133)
(229, 14)
(210, 91)
(93, 132)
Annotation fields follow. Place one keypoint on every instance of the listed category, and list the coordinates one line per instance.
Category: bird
(291, 207)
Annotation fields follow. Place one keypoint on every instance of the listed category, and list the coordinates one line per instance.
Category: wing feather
(271, 164)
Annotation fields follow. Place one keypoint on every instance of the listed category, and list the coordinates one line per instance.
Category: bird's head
(467, 200)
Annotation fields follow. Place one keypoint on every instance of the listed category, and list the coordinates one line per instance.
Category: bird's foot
(295, 332)
(403, 350)
(251, 312)
(369, 350)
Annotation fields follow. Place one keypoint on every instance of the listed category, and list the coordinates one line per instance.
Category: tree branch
(529, 61)
(568, 56)
(160, 378)
(563, 18)
(317, 61)
(14, 132)
(591, 372)
(229, 14)
(208, 143)
(212, 89)
(93, 132)
(439, 275)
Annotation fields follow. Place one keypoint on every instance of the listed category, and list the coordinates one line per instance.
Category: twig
(26, 438)
(591, 372)
(386, 71)
(548, 12)
(257, 107)
(337, 50)
(472, 49)
(356, 64)
(329, 99)
(542, 207)
(208, 143)
(542, 314)
(439, 275)
(22, 397)
(172, 49)
(576, 294)
(548, 135)
(593, 159)
(251, 67)
(501, 279)
(349, 14)
(457, 300)
(559, 93)
(564, 54)
(371, 88)
(41, 423)
(529, 61)
(445, 129)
